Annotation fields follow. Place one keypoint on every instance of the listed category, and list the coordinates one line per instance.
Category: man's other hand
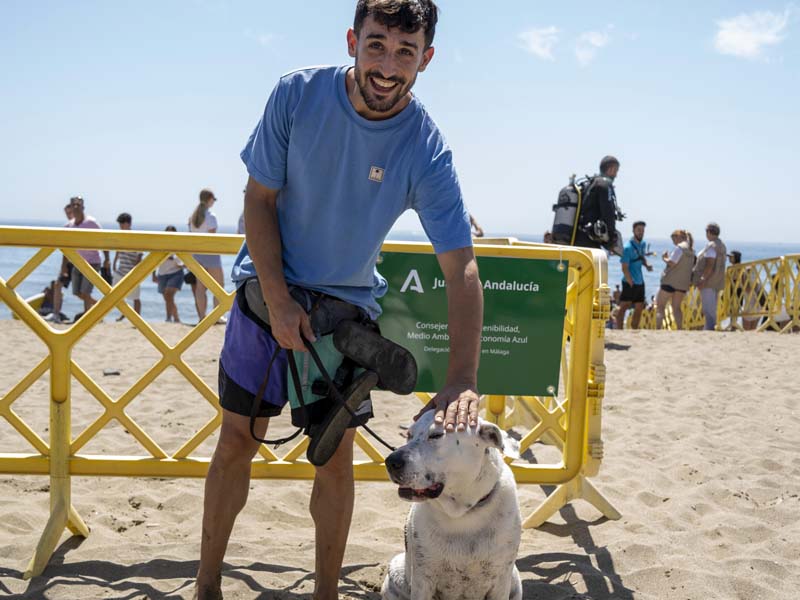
(287, 320)
(456, 407)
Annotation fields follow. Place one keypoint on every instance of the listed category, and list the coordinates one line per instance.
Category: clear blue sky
(137, 105)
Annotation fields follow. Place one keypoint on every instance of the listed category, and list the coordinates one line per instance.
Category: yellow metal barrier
(765, 292)
(569, 420)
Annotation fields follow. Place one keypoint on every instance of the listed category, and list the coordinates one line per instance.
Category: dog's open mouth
(420, 495)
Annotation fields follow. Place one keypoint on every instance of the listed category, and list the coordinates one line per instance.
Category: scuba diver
(587, 211)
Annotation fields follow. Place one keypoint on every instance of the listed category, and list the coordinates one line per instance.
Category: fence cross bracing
(569, 421)
(764, 292)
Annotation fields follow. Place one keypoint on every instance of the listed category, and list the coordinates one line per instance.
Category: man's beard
(385, 103)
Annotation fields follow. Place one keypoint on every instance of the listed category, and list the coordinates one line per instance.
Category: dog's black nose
(395, 461)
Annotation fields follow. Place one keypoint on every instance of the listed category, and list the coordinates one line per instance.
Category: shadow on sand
(555, 573)
(135, 581)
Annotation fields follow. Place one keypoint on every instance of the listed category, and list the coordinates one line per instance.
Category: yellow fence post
(62, 513)
(580, 487)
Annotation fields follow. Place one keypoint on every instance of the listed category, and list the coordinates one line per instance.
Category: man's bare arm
(626, 272)
(287, 318)
(456, 403)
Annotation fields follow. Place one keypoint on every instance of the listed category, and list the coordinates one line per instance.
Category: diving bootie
(395, 366)
(325, 437)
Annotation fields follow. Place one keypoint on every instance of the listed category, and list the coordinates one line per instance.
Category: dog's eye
(435, 435)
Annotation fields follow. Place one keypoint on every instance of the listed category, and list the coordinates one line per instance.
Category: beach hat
(735, 256)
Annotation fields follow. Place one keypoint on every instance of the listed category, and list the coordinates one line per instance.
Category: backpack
(573, 214)
(570, 211)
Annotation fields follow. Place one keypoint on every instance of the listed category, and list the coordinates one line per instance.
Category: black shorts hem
(671, 290)
(236, 399)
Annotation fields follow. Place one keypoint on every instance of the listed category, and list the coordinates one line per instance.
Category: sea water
(11, 259)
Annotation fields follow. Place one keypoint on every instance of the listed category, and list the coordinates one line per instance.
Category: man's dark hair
(637, 223)
(607, 163)
(408, 16)
(124, 218)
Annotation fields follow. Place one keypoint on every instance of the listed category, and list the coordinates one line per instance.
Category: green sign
(523, 320)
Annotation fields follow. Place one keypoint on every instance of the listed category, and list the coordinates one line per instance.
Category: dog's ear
(492, 435)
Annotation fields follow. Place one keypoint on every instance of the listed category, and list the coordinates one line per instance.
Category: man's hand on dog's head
(456, 407)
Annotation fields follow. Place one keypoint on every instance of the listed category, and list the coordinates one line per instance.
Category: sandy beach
(701, 434)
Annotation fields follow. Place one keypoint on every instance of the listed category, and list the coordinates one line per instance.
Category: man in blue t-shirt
(634, 257)
(338, 155)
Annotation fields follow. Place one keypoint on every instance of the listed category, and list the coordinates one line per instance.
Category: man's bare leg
(621, 310)
(637, 315)
(227, 486)
(332, 510)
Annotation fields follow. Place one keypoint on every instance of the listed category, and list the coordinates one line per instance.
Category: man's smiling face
(387, 63)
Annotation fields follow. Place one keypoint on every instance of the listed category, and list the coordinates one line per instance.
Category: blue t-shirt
(633, 254)
(344, 180)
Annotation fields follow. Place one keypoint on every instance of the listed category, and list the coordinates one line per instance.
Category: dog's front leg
(422, 586)
(507, 588)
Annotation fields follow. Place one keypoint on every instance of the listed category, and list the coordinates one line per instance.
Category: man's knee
(340, 466)
(235, 440)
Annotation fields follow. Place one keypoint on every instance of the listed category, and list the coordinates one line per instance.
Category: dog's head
(431, 457)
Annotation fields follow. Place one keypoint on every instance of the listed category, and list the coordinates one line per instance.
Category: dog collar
(485, 499)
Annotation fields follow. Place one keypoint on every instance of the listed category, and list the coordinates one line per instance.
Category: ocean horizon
(12, 258)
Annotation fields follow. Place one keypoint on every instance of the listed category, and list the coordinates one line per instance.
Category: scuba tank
(567, 209)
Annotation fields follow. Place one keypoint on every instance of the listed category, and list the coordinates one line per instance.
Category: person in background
(63, 280)
(709, 274)
(548, 237)
(597, 225)
(477, 230)
(124, 261)
(747, 292)
(633, 259)
(81, 286)
(205, 221)
(46, 307)
(677, 277)
(169, 277)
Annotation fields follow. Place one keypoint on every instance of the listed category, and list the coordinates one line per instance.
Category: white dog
(463, 534)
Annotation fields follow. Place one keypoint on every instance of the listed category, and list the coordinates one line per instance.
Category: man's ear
(427, 57)
(352, 43)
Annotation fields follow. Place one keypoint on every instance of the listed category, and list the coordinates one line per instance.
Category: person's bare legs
(216, 273)
(677, 311)
(200, 300)
(88, 301)
(137, 306)
(172, 308)
(332, 510)
(621, 310)
(661, 303)
(638, 307)
(58, 297)
(227, 486)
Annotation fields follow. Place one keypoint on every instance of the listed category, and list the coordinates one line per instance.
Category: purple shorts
(246, 353)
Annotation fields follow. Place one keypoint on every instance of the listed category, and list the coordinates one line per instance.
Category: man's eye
(435, 435)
